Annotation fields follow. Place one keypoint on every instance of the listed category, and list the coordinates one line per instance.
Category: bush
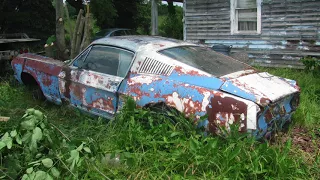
(311, 64)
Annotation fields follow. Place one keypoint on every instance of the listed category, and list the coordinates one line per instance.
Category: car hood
(262, 88)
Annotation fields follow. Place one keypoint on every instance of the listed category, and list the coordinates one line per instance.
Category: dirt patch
(302, 138)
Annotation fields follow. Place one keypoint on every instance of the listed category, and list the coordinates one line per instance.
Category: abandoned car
(193, 79)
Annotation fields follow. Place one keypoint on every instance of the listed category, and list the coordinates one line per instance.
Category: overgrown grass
(151, 147)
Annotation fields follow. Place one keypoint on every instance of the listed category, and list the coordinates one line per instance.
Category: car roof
(136, 42)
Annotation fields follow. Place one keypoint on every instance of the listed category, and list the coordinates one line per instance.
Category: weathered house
(272, 32)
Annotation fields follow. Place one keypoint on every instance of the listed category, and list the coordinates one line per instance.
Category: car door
(92, 80)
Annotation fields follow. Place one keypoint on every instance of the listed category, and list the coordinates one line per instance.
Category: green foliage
(172, 25)
(51, 39)
(311, 64)
(34, 150)
(105, 13)
(143, 18)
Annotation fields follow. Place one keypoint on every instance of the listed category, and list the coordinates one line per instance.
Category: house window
(245, 16)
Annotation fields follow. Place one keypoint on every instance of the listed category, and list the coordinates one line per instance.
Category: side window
(125, 58)
(108, 60)
(80, 59)
(119, 33)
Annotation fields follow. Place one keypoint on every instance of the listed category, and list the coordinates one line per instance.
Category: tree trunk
(60, 36)
(79, 35)
(154, 17)
(74, 39)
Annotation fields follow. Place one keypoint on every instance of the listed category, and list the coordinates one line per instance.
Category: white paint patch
(237, 74)
(205, 101)
(242, 117)
(263, 85)
(252, 111)
(143, 79)
(231, 119)
(176, 100)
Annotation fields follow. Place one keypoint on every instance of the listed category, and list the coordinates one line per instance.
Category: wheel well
(162, 105)
(27, 79)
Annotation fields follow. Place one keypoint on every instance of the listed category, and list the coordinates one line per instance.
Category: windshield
(205, 59)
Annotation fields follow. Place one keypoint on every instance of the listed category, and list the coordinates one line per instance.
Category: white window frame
(234, 19)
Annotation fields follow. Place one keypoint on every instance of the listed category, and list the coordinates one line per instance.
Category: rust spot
(46, 80)
(225, 107)
(103, 104)
(180, 70)
(264, 101)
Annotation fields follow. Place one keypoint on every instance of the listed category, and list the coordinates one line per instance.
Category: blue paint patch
(277, 122)
(18, 71)
(233, 89)
(50, 91)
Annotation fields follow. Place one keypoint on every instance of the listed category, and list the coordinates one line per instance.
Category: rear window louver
(152, 66)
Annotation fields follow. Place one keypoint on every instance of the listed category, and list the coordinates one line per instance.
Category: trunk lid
(261, 88)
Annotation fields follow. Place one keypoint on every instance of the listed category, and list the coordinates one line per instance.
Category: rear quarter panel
(44, 70)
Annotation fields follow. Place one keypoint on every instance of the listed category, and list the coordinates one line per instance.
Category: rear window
(205, 59)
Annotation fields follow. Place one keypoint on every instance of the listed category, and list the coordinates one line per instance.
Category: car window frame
(116, 47)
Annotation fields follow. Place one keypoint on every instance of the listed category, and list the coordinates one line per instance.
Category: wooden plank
(4, 119)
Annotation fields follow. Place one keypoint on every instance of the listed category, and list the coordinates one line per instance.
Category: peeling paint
(248, 98)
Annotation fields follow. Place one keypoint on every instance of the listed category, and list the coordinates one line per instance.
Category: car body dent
(247, 97)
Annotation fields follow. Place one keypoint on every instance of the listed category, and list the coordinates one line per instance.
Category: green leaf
(29, 170)
(87, 149)
(40, 175)
(9, 144)
(193, 143)
(25, 177)
(2, 145)
(175, 134)
(7, 140)
(5, 136)
(30, 111)
(80, 147)
(55, 172)
(47, 162)
(49, 177)
(28, 125)
(38, 114)
(26, 137)
(18, 139)
(37, 134)
(13, 133)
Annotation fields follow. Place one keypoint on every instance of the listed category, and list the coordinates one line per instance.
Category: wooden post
(86, 35)
(154, 17)
(74, 39)
(79, 35)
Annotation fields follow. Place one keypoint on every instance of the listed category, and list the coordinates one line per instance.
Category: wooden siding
(290, 30)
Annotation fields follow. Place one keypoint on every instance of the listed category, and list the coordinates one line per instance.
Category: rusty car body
(193, 79)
